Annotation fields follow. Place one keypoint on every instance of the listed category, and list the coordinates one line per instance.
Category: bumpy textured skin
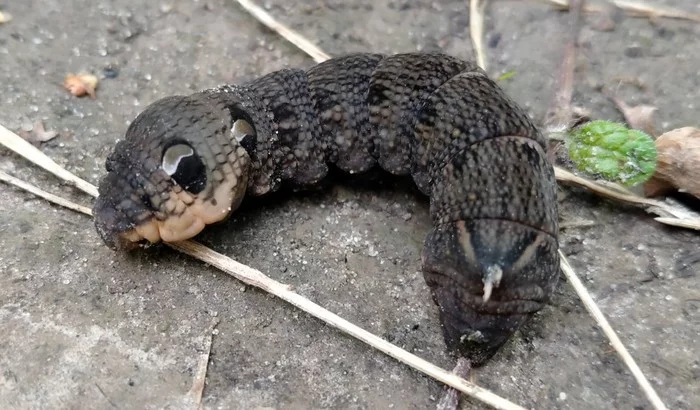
(471, 149)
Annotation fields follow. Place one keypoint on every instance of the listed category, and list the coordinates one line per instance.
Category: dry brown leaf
(657, 187)
(38, 134)
(640, 117)
(678, 163)
(5, 17)
(81, 84)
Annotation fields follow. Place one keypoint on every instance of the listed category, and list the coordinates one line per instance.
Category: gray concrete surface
(84, 327)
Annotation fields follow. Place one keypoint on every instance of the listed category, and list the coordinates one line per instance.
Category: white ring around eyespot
(240, 129)
(173, 156)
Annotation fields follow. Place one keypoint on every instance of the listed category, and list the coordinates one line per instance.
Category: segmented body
(490, 259)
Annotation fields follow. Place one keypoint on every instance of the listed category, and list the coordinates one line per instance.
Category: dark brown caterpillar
(491, 259)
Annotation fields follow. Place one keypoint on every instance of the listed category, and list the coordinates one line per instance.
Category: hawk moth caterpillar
(490, 259)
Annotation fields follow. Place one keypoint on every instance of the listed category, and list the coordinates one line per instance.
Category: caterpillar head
(179, 168)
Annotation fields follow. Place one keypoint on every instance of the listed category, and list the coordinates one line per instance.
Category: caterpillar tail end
(488, 277)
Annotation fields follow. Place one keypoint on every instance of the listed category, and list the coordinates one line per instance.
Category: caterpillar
(490, 259)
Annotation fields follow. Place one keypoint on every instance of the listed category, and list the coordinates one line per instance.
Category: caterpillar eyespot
(182, 164)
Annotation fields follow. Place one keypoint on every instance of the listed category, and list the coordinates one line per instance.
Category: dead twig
(43, 194)
(634, 9)
(194, 396)
(102, 392)
(256, 278)
(610, 333)
(693, 223)
(290, 35)
(559, 113)
(476, 30)
(450, 398)
(639, 8)
(27, 150)
(5, 17)
(576, 224)
(670, 213)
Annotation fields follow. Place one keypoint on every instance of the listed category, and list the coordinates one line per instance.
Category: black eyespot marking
(191, 174)
(184, 166)
(249, 143)
(244, 132)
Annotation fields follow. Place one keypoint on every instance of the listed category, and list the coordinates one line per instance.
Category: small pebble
(634, 51)
(110, 72)
(666, 33)
(493, 38)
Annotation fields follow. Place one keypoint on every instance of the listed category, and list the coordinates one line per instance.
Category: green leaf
(613, 151)
(506, 76)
